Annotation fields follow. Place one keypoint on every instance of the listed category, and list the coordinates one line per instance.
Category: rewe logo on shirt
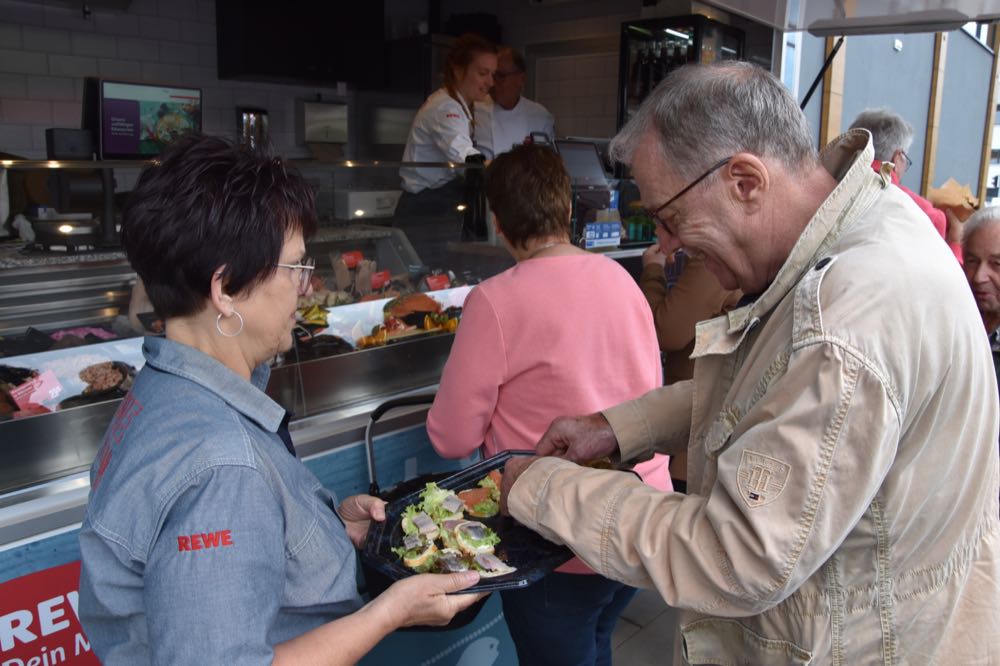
(204, 540)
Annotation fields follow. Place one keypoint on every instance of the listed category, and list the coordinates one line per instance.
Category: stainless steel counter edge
(35, 511)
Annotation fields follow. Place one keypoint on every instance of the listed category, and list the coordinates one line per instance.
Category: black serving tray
(527, 551)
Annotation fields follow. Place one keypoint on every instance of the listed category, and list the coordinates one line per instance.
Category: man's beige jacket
(842, 435)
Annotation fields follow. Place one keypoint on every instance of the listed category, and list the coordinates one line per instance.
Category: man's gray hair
(516, 57)
(889, 132)
(704, 113)
(982, 218)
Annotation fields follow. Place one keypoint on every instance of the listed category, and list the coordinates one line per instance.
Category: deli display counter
(386, 299)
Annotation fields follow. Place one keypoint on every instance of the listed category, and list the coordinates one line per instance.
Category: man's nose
(668, 242)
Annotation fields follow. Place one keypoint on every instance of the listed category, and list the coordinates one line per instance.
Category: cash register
(595, 220)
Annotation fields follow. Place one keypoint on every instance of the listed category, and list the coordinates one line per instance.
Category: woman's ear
(221, 301)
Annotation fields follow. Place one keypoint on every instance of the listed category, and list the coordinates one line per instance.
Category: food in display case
(410, 315)
(106, 380)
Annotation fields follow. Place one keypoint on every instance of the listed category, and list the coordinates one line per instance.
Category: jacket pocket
(718, 435)
(717, 642)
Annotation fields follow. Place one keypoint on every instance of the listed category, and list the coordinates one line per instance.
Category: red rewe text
(203, 541)
(127, 410)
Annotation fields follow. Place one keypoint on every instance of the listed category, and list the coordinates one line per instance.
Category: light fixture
(359, 212)
(66, 228)
(460, 207)
(52, 164)
(676, 33)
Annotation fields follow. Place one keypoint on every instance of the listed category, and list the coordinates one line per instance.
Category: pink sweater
(552, 336)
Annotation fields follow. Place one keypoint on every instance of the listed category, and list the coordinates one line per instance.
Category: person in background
(205, 539)
(981, 250)
(843, 507)
(441, 205)
(511, 118)
(445, 128)
(535, 340)
(677, 309)
(892, 137)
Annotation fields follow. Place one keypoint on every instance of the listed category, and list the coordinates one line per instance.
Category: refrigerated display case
(71, 324)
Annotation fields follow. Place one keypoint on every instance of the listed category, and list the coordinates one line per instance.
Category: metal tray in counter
(532, 555)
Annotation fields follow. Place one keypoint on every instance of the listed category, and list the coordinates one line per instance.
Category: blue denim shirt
(204, 540)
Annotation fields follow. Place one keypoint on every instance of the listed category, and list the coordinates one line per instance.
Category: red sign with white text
(38, 620)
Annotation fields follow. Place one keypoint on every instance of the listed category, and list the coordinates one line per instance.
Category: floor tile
(653, 645)
(622, 632)
(645, 607)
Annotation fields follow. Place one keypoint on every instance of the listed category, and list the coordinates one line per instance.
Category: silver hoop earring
(218, 325)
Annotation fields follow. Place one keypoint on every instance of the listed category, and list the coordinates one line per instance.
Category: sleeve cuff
(529, 489)
(631, 430)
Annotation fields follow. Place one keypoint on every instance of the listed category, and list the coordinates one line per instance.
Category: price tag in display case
(352, 258)
(437, 282)
(380, 279)
(44, 389)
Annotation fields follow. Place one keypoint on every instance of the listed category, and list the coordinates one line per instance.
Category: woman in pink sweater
(562, 332)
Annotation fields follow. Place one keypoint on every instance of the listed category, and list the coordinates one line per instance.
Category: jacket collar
(848, 158)
(248, 398)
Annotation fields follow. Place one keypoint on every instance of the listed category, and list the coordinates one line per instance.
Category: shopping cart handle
(377, 413)
(405, 401)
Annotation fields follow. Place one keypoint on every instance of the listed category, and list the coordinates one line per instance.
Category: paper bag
(953, 196)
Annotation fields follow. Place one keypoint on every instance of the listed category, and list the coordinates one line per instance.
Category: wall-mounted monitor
(138, 120)
(391, 125)
(324, 122)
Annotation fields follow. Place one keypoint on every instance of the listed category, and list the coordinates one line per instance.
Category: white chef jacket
(499, 129)
(441, 132)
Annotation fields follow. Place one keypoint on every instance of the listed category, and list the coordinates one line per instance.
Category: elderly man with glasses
(841, 425)
(892, 137)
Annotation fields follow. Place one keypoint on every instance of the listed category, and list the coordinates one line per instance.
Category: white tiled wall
(47, 48)
(580, 91)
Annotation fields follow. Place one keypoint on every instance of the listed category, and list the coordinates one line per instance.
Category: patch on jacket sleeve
(761, 478)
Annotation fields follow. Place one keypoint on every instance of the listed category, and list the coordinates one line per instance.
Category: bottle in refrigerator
(634, 73)
(638, 91)
(682, 56)
(663, 61)
(649, 72)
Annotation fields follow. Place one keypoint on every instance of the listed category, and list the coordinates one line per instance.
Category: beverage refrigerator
(652, 48)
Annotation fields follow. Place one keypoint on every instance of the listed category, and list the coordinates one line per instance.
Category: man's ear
(748, 178)
(221, 301)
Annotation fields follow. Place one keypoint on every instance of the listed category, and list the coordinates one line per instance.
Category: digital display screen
(583, 163)
(140, 120)
(324, 123)
(391, 125)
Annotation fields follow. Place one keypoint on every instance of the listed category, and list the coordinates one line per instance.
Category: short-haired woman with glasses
(206, 540)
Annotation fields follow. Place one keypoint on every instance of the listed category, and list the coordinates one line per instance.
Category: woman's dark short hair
(209, 203)
(529, 192)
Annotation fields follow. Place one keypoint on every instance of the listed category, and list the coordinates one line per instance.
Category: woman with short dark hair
(205, 539)
(563, 332)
